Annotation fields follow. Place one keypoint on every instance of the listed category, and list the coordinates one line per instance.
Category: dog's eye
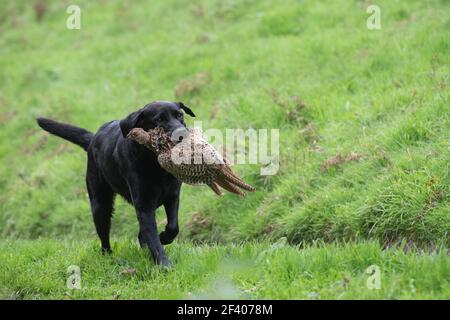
(179, 115)
(160, 119)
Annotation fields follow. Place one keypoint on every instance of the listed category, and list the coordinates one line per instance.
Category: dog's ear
(186, 109)
(130, 122)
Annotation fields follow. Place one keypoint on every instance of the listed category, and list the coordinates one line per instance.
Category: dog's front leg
(171, 231)
(148, 234)
(148, 231)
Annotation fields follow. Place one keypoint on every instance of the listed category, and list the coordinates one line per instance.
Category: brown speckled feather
(193, 161)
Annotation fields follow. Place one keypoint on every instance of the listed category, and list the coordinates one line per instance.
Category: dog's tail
(71, 133)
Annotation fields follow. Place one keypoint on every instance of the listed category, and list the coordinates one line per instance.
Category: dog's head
(164, 114)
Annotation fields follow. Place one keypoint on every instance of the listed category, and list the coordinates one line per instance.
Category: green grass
(382, 95)
(38, 269)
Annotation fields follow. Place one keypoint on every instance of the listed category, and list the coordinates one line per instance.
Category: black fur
(117, 165)
(74, 134)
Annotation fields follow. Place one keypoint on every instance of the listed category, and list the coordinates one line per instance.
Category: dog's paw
(106, 251)
(168, 235)
(166, 265)
(165, 239)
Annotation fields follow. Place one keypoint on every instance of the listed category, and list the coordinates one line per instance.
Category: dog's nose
(179, 134)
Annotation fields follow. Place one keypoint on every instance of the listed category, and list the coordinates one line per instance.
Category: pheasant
(192, 160)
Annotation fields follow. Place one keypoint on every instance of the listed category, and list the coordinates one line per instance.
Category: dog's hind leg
(102, 198)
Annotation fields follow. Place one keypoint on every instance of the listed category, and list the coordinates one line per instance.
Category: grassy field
(364, 145)
(37, 270)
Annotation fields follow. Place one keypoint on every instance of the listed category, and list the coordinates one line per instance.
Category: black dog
(117, 165)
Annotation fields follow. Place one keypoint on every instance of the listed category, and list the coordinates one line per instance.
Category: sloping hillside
(363, 116)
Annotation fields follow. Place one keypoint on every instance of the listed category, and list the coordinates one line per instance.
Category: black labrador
(117, 165)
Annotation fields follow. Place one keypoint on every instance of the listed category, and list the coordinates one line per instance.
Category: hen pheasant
(193, 160)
